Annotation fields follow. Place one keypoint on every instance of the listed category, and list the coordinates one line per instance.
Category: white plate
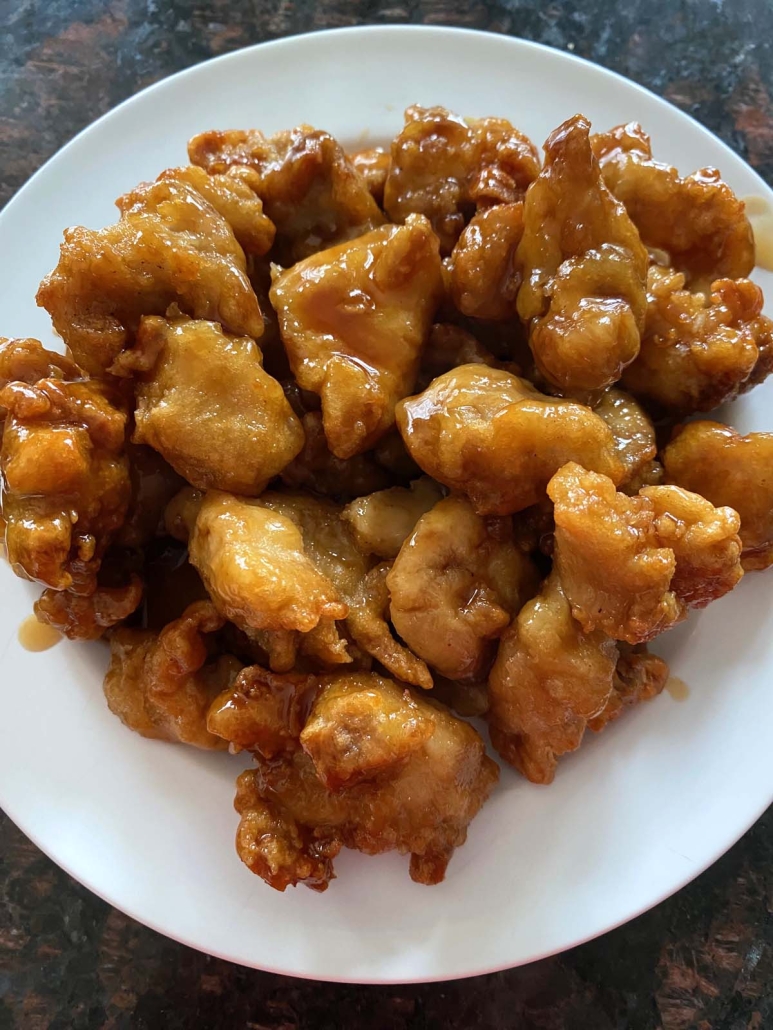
(633, 816)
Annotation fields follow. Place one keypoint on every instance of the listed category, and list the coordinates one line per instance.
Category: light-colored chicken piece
(310, 189)
(729, 469)
(455, 585)
(381, 521)
(584, 269)
(493, 437)
(697, 350)
(549, 680)
(66, 483)
(367, 623)
(373, 165)
(634, 434)
(162, 684)
(632, 566)
(87, 618)
(206, 404)
(484, 275)
(170, 247)
(442, 165)
(253, 562)
(697, 220)
(409, 798)
(353, 320)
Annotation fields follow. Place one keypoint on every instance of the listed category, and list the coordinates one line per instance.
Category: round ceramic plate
(631, 817)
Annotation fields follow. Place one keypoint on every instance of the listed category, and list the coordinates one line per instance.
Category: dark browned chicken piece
(697, 350)
(729, 469)
(162, 684)
(492, 436)
(87, 618)
(444, 167)
(584, 269)
(639, 676)
(170, 247)
(316, 467)
(697, 220)
(354, 319)
(310, 190)
(373, 166)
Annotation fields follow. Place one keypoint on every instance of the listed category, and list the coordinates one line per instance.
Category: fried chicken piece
(205, 403)
(484, 276)
(699, 351)
(381, 521)
(584, 269)
(310, 190)
(443, 166)
(411, 795)
(729, 469)
(639, 676)
(87, 618)
(318, 469)
(370, 630)
(697, 220)
(65, 477)
(373, 165)
(493, 437)
(162, 684)
(455, 585)
(27, 360)
(256, 569)
(153, 485)
(549, 680)
(353, 320)
(633, 431)
(170, 247)
(632, 566)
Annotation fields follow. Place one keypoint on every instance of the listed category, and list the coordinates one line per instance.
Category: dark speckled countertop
(703, 959)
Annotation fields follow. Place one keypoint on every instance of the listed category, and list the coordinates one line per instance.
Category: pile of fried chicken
(342, 448)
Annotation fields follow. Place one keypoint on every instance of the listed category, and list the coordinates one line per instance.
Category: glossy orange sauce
(37, 636)
(677, 688)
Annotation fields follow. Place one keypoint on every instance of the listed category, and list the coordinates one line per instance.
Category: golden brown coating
(381, 521)
(697, 220)
(256, 569)
(87, 618)
(632, 566)
(633, 431)
(443, 166)
(373, 165)
(205, 403)
(233, 196)
(27, 360)
(162, 684)
(493, 437)
(353, 320)
(484, 276)
(549, 680)
(698, 351)
(418, 801)
(170, 247)
(318, 469)
(584, 268)
(729, 469)
(455, 585)
(367, 623)
(66, 481)
(310, 189)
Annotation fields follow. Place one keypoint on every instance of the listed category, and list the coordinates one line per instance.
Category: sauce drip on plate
(677, 688)
(37, 636)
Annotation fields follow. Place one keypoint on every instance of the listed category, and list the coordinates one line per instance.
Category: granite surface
(703, 959)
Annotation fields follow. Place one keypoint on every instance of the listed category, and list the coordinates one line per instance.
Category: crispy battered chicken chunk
(206, 404)
(697, 220)
(632, 566)
(584, 269)
(699, 351)
(455, 585)
(87, 618)
(373, 166)
(310, 189)
(27, 360)
(443, 166)
(66, 481)
(493, 437)
(484, 277)
(728, 469)
(170, 247)
(413, 793)
(162, 684)
(381, 521)
(633, 431)
(354, 319)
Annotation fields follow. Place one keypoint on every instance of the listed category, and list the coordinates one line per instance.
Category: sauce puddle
(677, 688)
(37, 636)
